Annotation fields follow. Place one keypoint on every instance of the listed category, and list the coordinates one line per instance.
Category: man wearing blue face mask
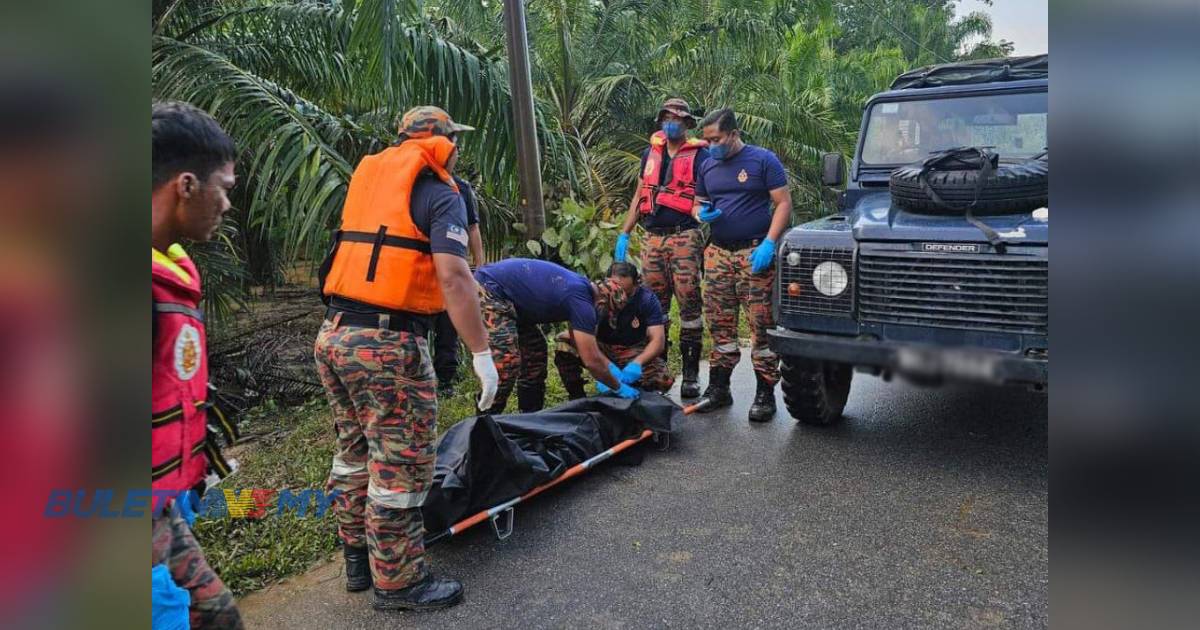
(742, 193)
(673, 249)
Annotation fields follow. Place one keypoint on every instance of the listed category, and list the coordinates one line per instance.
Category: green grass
(295, 453)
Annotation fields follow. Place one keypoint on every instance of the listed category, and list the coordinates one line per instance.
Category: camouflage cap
(426, 121)
(680, 108)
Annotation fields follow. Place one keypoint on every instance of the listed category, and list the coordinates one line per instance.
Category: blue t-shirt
(642, 312)
(543, 292)
(741, 188)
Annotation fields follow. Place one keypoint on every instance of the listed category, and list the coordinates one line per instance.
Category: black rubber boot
(717, 395)
(358, 568)
(531, 398)
(763, 409)
(429, 594)
(690, 354)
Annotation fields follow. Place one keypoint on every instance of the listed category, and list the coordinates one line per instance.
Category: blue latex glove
(628, 392)
(622, 248)
(601, 388)
(631, 373)
(186, 509)
(616, 372)
(762, 256)
(708, 213)
(168, 602)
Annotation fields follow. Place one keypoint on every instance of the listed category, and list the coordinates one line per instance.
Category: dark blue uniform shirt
(741, 188)
(543, 292)
(642, 311)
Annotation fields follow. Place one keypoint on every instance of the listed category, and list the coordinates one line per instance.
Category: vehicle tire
(815, 392)
(1016, 186)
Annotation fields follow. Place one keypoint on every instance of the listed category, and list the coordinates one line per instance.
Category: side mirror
(833, 169)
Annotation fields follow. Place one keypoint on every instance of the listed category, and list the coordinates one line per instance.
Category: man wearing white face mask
(673, 250)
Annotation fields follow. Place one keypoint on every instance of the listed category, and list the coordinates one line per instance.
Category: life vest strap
(178, 309)
(389, 241)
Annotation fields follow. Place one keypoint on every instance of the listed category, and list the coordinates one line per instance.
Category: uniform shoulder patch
(456, 233)
(187, 352)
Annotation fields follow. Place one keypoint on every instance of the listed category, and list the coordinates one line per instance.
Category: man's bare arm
(475, 244)
(593, 359)
(782, 198)
(462, 299)
(654, 347)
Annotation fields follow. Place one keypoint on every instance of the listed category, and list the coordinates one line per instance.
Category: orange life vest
(379, 257)
(680, 189)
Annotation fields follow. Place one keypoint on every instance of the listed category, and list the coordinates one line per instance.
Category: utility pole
(529, 168)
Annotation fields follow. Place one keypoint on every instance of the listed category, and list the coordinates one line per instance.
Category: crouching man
(634, 340)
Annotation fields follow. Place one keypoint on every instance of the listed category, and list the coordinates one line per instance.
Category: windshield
(901, 132)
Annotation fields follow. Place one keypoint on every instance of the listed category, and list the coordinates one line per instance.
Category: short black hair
(625, 270)
(723, 118)
(185, 138)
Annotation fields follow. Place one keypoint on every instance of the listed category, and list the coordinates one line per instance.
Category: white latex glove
(489, 379)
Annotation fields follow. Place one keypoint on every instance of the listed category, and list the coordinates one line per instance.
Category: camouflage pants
(383, 395)
(728, 284)
(655, 374)
(519, 351)
(174, 545)
(671, 265)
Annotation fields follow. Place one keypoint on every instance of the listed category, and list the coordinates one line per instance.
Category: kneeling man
(633, 340)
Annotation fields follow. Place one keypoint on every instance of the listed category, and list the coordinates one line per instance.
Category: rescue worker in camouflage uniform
(634, 341)
(743, 195)
(398, 259)
(673, 248)
(520, 294)
(192, 172)
(445, 338)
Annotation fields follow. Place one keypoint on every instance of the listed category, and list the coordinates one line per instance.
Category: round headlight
(830, 278)
(793, 258)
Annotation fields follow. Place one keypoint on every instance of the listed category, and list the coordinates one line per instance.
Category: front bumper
(969, 364)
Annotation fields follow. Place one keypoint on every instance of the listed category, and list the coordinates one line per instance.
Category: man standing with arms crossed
(398, 260)
(191, 176)
(673, 251)
(743, 194)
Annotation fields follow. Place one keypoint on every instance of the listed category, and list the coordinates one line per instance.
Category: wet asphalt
(924, 508)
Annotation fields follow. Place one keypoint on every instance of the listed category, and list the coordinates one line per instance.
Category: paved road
(926, 508)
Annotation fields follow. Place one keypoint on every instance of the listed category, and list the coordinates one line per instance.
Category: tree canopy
(308, 87)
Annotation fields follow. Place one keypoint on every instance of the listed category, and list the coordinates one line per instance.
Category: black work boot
(763, 409)
(429, 594)
(531, 398)
(717, 395)
(358, 568)
(690, 354)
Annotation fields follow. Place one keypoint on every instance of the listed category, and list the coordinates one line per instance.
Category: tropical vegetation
(307, 87)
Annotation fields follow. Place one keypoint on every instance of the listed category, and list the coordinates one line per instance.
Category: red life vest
(680, 189)
(180, 448)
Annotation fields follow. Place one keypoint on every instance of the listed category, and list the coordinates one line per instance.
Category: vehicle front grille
(810, 299)
(989, 292)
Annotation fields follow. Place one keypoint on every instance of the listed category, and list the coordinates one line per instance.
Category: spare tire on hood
(972, 178)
